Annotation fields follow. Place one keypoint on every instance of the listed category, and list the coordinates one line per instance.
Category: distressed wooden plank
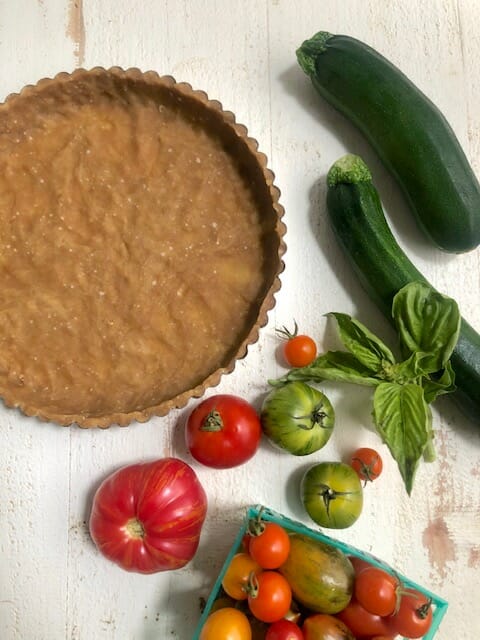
(243, 55)
(33, 536)
(34, 42)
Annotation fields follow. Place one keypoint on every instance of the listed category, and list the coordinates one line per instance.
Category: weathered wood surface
(53, 583)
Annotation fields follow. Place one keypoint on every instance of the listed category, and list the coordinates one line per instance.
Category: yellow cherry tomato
(237, 575)
(226, 624)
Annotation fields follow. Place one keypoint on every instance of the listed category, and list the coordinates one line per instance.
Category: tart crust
(141, 243)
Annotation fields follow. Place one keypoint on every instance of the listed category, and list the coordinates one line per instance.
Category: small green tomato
(297, 418)
(332, 494)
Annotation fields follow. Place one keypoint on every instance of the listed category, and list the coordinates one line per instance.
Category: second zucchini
(357, 218)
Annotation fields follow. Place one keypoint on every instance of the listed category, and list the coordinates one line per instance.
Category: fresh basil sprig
(428, 326)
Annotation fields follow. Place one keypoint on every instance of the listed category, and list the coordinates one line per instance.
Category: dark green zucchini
(357, 218)
(410, 135)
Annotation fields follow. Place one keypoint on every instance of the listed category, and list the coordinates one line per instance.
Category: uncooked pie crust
(140, 246)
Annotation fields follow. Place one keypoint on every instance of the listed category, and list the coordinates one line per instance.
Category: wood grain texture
(53, 582)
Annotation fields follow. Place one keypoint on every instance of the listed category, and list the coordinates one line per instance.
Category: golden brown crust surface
(140, 246)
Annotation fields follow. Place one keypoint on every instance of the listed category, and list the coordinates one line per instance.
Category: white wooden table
(53, 582)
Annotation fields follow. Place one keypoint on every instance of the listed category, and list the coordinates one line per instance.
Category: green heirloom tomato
(332, 494)
(297, 418)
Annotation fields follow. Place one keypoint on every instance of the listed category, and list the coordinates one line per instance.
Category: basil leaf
(403, 419)
(339, 366)
(365, 346)
(436, 386)
(426, 321)
(412, 369)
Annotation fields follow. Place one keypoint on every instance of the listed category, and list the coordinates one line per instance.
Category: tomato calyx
(366, 470)
(135, 528)
(367, 463)
(256, 526)
(286, 334)
(423, 610)
(252, 587)
(401, 590)
(212, 421)
(414, 615)
(328, 494)
(316, 417)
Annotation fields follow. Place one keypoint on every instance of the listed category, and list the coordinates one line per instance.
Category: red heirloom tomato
(321, 626)
(361, 622)
(367, 463)
(270, 546)
(284, 630)
(147, 517)
(414, 616)
(223, 431)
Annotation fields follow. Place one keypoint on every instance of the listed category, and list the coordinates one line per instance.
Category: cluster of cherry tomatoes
(382, 607)
(257, 600)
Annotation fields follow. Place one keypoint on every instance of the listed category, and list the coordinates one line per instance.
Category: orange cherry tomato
(299, 350)
(237, 575)
(270, 596)
(271, 546)
(367, 463)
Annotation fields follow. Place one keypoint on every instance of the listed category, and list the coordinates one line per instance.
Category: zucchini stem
(349, 169)
(310, 49)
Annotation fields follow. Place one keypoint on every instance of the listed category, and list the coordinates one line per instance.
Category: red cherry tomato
(321, 626)
(148, 517)
(284, 630)
(376, 590)
(270, 596)
(299, 350)
(359, 564)
(414, 616)
(223, 431)
(271, 546)
(367, 463)
(361, 622)
(246, 542)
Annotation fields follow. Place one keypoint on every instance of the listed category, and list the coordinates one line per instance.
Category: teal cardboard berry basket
(439, 605)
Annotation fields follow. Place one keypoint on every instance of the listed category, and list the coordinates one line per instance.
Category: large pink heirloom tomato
(148, 517)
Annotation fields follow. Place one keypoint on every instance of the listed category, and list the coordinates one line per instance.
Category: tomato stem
(316, 418)
(328, 494)
(252, 586)
(135, 528)
(256, 526)
(212, 422)
(422, 611)
(367, 469)
(286, 334)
